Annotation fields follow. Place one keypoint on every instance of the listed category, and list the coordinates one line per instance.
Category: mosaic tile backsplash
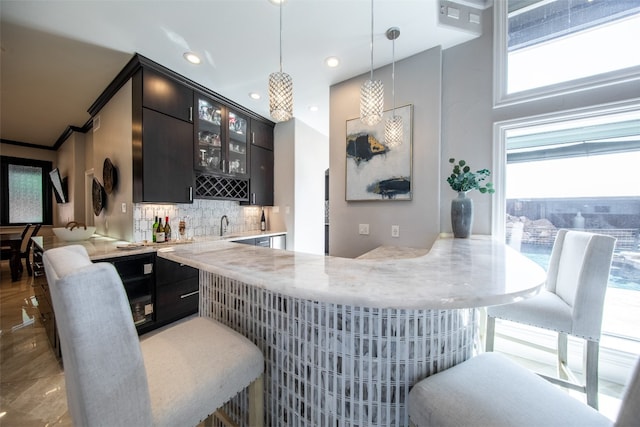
(202, 218)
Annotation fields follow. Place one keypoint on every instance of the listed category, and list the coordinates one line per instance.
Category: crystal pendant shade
(393, 127)
(393, 131)
(371, 102)
(280, 96)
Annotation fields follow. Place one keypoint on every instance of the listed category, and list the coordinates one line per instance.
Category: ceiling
(58, 56)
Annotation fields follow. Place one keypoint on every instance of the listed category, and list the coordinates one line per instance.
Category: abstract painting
(374, 170)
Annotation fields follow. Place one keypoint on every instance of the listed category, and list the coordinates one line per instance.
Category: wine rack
(219, 187)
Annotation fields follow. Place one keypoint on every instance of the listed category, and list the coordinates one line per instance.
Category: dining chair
(7, 251)
(492, 390)
(25, 247)
(179, 376)
(571, 303)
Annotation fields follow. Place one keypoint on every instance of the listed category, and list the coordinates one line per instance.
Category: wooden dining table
(14, 241)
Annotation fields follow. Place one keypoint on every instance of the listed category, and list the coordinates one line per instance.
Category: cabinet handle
(190, 114)
(191, 194)
(189, 294)
(253, 137)
(224, 168)
(253, 198)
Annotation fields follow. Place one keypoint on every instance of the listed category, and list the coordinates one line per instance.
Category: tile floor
(32, 390)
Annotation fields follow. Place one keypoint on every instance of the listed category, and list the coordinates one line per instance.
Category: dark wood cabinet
(162, 162)
(165, 95)
(261, 160)
(261, 181)
(45, 305)
(261, 134)
(177, 291)
(167, 106)
(220, 136)
(138, 278)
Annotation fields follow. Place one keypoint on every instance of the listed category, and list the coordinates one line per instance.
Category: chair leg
(491, 333)
(256, 402)
(562, 355)
(591, 372)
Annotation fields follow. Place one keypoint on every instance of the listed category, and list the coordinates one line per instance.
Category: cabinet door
(162, 94)
(209, 147)
(261, 134)
(261, 181)
(167, 162)
(237, 144)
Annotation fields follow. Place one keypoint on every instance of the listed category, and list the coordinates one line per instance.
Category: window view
(26, 196)
(555, 41)
(580, 174)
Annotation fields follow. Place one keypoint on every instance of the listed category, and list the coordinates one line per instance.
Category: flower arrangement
(463, 180)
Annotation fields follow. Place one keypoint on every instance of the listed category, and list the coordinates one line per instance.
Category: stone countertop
(454, 273)
(102, 247)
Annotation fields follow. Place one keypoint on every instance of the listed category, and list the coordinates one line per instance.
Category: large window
(26, 193)
(580, 173)
(545, 47)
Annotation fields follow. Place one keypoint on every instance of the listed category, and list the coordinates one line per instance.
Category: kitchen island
(345, 339)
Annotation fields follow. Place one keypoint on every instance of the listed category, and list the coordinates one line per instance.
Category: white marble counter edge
(455, 273)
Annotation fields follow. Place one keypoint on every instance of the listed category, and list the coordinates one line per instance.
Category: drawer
(177, 300)
(169, 272)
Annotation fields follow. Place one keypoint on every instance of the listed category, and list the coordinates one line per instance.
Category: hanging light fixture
(280, 89)
(393, 127)
(371, 93)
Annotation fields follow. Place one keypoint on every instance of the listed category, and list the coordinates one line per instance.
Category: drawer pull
(189, 294)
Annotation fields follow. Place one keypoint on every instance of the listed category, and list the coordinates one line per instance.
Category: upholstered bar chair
(492, 390)
(176, 377)
(571, 303)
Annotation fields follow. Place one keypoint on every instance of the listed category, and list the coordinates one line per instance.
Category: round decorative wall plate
(109, 176)
(99, 197)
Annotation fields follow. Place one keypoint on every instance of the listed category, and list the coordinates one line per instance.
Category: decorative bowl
(74, 235)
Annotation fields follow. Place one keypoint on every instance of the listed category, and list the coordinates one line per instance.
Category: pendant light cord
(371, 78)
(393, 75)
(281, 36)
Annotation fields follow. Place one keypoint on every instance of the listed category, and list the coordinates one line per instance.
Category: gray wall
(418, 82)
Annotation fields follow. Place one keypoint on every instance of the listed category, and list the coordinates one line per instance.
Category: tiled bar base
(333, 364)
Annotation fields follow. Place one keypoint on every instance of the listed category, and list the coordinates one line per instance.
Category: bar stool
(179, 376)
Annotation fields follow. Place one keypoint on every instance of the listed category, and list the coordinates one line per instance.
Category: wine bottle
(263, 222)
(160, 232)
(154, 228)
(167, 230)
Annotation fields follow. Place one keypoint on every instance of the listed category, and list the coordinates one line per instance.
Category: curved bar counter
(345, 339)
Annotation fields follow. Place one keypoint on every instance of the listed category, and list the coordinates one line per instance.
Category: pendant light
(280, 89)
(393, 127)
(371, 93)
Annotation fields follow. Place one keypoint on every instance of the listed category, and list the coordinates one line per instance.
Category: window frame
(500, 75)
(47, 195)
(500, 129)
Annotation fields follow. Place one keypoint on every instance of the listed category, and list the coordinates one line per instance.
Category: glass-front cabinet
(221, 139)
(237, 159)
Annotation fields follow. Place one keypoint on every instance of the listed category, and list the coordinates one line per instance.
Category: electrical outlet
(124, 207)
(363, 229)
(395, 231)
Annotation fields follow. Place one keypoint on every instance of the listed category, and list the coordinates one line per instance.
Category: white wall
(113, 139)
(71, 164)
(418, 82)
(301, 156)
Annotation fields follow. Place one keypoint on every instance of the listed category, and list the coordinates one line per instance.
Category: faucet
(222, 230)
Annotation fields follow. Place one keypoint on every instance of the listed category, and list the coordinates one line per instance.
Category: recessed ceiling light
(313, 108)
(277, 2)
(332, 62)
(191, 57)
(254, 95)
